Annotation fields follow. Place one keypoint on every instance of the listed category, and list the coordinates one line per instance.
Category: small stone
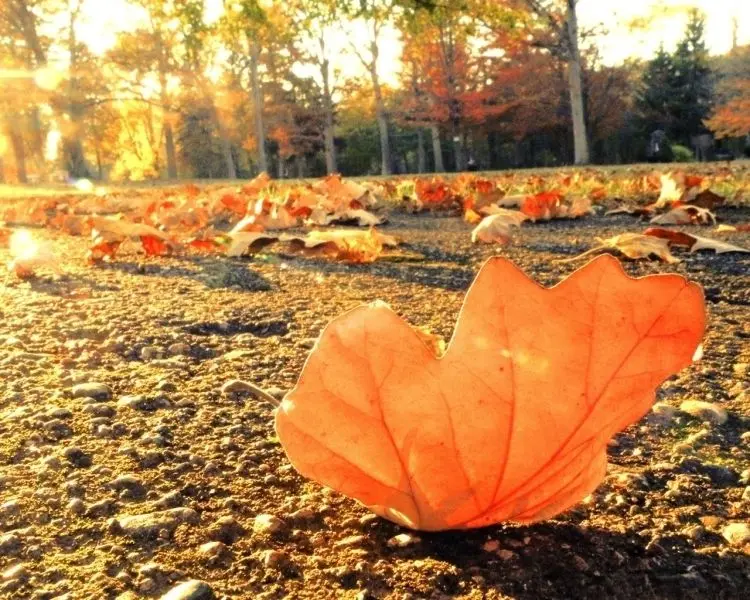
(77, 457)
(267, 524)
(15, 573)
(166, 386)
(213, 552)
(737, 534)
(273, 559)
(694, 532)
(662, 413)
(149, 525)
(706, 411)
(351, 541)
(179, 349)
(505, 554)
(76, 506)
(491, 546)
(190, 590)
(403, 540)
(10, 544)
(227, 529)
(129, 483)
(97, 391)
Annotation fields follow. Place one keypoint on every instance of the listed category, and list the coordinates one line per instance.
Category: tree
(676, 90)
(731, 116)
(693, 83)
(376, 15)
(315, 21)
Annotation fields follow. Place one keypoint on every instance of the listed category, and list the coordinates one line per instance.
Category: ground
(162, 336)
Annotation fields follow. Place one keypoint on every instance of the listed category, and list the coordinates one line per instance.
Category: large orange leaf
(512, 423)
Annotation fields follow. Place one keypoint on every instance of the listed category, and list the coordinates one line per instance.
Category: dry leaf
(671, 191)
(512, 423)
(686, 214)
(708, 199)
(631, 245)
(693, 242)
(350, 245)
(497, 227)
(249, 242)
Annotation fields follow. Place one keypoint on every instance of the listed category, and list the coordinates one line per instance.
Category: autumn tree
(376, 15)
(315, 21)
(151, 53)
(731, 116)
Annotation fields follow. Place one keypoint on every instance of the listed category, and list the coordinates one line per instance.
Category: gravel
(137, 461)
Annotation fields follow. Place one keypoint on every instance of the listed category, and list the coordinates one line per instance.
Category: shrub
(682, 153)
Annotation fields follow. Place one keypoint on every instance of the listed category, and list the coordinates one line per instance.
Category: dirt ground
(155, 433)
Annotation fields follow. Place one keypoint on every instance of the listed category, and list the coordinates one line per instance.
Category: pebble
(213, 552)
(737, 534)
(77, 457)
(228, 530)
(273, 558)
(706, 411)
(267, 524)
(10, 544)
(403, 540)
(97, 391)
(190, 590)
(662, 413)
(152, 523)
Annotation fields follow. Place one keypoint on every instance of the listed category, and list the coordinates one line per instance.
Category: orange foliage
(503, 426)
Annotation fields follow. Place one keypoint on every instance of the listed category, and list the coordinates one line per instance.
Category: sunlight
(52, 145)
(23, 246)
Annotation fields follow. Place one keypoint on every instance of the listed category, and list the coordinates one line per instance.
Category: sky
(103, 19)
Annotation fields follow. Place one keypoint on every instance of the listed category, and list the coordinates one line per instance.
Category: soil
(160, 437)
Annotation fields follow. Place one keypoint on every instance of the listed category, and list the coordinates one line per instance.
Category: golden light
(3, 145)
(52, 145)
(84, 185)
(23, 246)
(48, 78)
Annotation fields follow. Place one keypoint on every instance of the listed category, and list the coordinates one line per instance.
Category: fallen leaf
(686, 214)
(497, 227)
(249, 242)
(545, 205)
(671, 191)
(631, 245)
(708, 199)
(512, 423)
(360, 217)
(693, 242)
(349, 245)
(471, 217)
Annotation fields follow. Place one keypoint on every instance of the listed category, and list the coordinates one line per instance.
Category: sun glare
(23, 246)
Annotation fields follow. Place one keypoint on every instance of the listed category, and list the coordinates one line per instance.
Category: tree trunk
(458, 150)
(171, 152)
(19, 151)
(575, 85)
(437, 149)
(330, 147)
(381, 114)
(164, 98)
(257, 93)
(421, 152)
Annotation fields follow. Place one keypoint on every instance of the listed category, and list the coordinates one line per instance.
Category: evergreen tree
(693, 81)
(676, 90)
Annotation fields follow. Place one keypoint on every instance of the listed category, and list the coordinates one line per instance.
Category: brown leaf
(512, 423)
(686, 214)
(693, 242)
(708, 199)
(497, 227)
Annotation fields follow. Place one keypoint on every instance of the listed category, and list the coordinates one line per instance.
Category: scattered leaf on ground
(474, 438)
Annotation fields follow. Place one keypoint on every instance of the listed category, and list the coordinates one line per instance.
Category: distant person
(472, 165)
(659, 149)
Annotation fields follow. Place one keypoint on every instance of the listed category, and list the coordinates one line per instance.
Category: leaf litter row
(245, 220)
